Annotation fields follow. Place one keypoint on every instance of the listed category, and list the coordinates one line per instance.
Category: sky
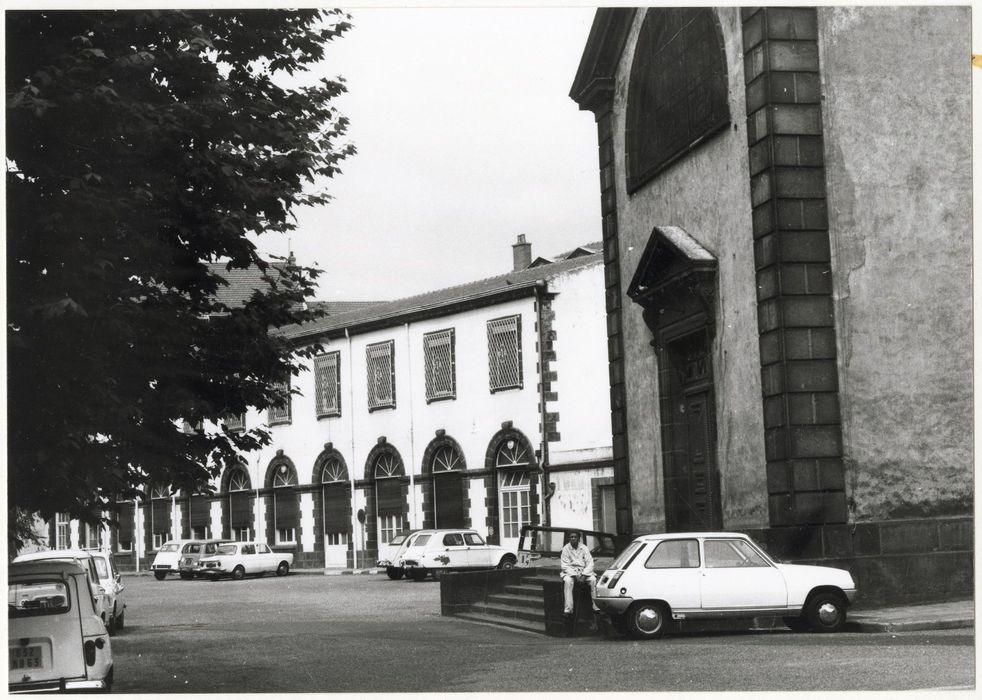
(466, 138)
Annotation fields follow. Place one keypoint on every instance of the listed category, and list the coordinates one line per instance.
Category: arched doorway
(335, 507)
(515, 501)
(445, 497)
(389, 498)
(238, 515)
(283, 525)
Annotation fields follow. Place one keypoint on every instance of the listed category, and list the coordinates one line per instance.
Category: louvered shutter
(199, 508)
(161, 515)
(337, 508)
(241, 509)
(390, 501)
(287, 506)
(448, 493)
(125, 533)
(327, 381)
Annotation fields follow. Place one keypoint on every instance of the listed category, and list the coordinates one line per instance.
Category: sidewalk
(911, 618)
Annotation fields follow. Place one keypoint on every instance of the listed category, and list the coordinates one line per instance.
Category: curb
(349, 572)
(911, 626)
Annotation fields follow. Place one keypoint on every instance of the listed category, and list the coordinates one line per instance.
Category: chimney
(522, 253)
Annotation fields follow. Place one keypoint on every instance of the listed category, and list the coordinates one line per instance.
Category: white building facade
(484, 405)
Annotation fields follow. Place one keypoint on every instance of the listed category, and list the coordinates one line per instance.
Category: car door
(248, 559)
(735, 575)
(455, 550)
(265, 558)
(479, 555)
(670, 572)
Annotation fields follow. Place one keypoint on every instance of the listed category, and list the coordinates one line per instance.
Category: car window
(101, 567)
(625, 557)
(420, 541)
(674, 554)
(262, 549)
(226, 549)
(169, 548)
(192, 549)
(727, 554)
(398, 539)
(209, 549)
(453, 539)
(473, 538)
(37, 598)
(112, 565)
(93, 571)
(248, 549)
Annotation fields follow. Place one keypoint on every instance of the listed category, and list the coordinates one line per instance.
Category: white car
(55, 638)
(390, 552)
(711, 575)
(112, 583)
(85, 559)
(436, 551)
(168, 559)
(236, 559)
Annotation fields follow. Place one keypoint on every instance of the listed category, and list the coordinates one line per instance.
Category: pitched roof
(241, 283)
(442, 301)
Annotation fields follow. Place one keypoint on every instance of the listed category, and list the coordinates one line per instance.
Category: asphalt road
(366, 633)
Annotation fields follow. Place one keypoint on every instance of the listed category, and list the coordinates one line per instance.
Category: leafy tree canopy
(142, 146)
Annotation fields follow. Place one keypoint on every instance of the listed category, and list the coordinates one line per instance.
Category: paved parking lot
(309, 633)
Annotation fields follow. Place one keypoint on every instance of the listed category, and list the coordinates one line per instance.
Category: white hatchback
(55, 639)
(436, 551)
(712, 575)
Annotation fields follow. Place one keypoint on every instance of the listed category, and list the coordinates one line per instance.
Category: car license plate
(524, 559)
(26, 657)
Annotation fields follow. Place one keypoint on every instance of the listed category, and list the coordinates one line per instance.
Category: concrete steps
(538, 626)
(519, 606)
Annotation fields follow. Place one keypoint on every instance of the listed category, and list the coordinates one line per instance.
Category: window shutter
(327, 381)
(448, 492)
(287, 506)
(380, 367)
(438, 356)
(161, 515)
(281, 414)
(126, 522)
(199, 509)
(390, 499)
(240, 505)
(337, 508)
(504, 353)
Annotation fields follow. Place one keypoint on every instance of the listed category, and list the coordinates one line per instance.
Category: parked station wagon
(55, 638)
(437, 551)
(236, 559)
(192, 552)
(688, 576)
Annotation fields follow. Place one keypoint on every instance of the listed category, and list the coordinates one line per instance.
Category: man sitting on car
(577, 563)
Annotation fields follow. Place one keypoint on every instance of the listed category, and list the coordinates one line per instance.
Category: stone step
(525, 590)
(533, 602)
(507, 612)
(538, 626)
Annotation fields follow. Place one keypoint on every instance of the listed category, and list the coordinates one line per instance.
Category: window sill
(435, 399)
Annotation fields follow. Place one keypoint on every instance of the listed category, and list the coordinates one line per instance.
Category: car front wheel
(647, 620)
(507, 562)
(826, 612)
(238, 573)
(394, 572)
(160, 575)
(283, 569)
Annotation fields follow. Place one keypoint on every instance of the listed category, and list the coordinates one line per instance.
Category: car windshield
(37, 598)
(169, 548)
(624, 557)
(101, 567)
(226, 549)
(398, 539)
(420, 541)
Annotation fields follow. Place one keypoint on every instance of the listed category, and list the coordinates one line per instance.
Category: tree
(143, 145)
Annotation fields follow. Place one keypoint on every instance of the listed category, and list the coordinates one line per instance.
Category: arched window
(286, 506)
(240, 511)
(448, 487)
(513, 461)
(336, 502)
(677, 95)
(389, 499)
(160, 514)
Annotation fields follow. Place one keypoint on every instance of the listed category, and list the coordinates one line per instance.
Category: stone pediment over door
(675, 280)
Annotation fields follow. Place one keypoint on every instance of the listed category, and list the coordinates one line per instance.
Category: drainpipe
(412, 433)
(137, 527)
(540, 286)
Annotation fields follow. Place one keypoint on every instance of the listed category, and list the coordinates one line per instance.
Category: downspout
(412, 433)
(137, 528)
(540, 285)
(351, 472)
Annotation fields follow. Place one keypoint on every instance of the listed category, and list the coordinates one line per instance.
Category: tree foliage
(141, 146)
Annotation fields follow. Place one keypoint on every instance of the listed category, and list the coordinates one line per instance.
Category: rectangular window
(285, 535)
(235, 422)
(281, 414)
(515, 512)
(335, 538)
(159, 538)
(674, 554)
(327, 384)
(441, 372)
(380, 361)
(199, 533)
(93, 536)
(727, 554)
(61, 531)
(388, 527)
(243, 534)
(505, 353)
(124, 535)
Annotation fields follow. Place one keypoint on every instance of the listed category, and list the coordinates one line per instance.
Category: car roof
(58, 567)
(211, 540)
(688, 536)
(54, 554)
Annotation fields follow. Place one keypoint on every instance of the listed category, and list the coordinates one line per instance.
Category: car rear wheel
(160, 575)
(394, 572)
(419, 574)
(507, 562)
(647, 620)
(283, 569)
(826, 612)
(238, 573)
